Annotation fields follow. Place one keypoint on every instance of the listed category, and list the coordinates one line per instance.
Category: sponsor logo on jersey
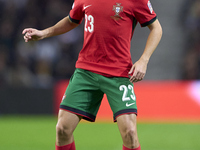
(63, 97)
(86, 7)
(117, 9)
(150, 7)
(128, 105)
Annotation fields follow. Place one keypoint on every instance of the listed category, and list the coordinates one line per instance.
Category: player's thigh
(127, 120)
(127, 123)
(128, 130)
(67, 121)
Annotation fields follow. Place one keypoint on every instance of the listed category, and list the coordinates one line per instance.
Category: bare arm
(139, 68)
(61, 27)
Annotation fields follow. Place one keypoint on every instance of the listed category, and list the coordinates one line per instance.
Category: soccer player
(104, 64)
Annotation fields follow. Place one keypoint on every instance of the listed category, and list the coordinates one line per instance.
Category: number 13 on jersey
(89, 23)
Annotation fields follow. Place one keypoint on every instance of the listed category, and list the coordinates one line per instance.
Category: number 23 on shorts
(126, 97)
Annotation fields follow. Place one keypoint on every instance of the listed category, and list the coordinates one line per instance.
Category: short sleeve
(76, 13)
(144, 12)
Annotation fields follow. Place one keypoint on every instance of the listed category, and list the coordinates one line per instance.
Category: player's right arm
(61, 27)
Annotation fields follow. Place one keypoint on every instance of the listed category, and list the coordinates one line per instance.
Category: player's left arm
(139, 68)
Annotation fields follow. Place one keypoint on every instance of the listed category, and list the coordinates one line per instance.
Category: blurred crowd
(36, 64)
(40, 64)
(191, 26)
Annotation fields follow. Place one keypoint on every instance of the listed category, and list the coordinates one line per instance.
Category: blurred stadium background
(33, 78)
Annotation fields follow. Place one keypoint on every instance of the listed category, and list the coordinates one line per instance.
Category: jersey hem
(104, 70)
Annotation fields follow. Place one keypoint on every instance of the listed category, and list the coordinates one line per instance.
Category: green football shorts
(86, 89)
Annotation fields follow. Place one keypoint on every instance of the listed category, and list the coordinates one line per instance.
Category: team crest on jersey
(117, 9)
(150, 6)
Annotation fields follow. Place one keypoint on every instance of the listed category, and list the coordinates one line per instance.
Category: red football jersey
(109, 26)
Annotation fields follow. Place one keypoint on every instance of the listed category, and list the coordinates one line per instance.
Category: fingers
(31, 34)
(27, 37)
(27, 34)
(131, 71)
(137, 76)
(27, 30)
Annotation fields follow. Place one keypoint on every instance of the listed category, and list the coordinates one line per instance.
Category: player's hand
(138, 71)
(31, 34)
